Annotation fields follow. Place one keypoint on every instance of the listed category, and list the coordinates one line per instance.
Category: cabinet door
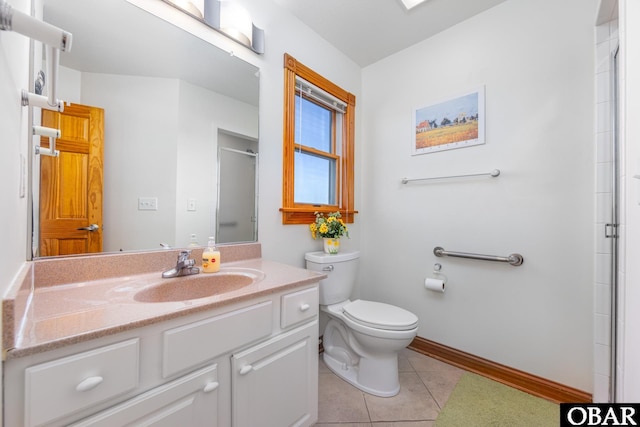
(191, 400)
(275, 384)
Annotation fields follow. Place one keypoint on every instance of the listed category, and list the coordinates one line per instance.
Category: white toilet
(362, 338)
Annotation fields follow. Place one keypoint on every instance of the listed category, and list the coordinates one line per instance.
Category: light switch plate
(191, 205)
(147, 203)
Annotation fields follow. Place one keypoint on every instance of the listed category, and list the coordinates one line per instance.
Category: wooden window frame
(302, 213)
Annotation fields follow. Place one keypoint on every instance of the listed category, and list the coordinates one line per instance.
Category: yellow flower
(328, 225)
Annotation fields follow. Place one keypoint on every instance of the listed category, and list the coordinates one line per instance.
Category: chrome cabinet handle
(304, 307)
(245, 369)
(92, 227)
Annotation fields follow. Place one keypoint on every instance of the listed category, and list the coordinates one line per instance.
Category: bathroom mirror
(166, 96)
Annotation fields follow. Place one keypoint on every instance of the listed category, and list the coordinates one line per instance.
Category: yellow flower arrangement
(332, 226)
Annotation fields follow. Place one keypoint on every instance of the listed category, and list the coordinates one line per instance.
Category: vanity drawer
(190, 345)
(64, 386)
(299, 306)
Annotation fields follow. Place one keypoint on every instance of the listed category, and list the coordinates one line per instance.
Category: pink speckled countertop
(65, 313)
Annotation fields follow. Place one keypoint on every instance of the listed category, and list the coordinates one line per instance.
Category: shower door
(611, 229)
(236, 218)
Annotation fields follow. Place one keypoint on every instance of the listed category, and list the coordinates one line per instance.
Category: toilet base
(378, 377)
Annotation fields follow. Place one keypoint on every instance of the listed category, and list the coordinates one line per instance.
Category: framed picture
(455, 122)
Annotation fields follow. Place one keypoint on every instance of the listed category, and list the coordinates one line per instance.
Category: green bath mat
(480, 402)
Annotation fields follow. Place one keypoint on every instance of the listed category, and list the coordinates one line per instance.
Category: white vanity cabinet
(252, 363)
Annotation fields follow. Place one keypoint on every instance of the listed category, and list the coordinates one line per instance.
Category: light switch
(191, 205)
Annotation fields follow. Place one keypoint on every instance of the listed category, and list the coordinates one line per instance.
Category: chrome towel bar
(493, 174)
(513, 259)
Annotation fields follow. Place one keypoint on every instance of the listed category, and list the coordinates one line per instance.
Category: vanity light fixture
(14, 20)
(229, 18)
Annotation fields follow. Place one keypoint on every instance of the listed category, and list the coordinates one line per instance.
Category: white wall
(629, 368)
(14, 76)
(535, 59)
(14, 72)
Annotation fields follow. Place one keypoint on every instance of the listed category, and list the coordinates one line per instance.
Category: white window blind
(320, 95)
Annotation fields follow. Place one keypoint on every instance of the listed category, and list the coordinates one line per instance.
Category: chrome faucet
(184, 266)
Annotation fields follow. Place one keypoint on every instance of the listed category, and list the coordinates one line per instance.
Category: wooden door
(71, 184)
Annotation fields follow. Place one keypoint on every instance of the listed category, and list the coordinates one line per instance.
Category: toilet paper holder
(438, 280)
(437, 271)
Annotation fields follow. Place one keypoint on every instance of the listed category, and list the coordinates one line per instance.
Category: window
(318, 147)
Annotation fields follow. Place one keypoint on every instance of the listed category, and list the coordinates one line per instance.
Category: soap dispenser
(211, 257)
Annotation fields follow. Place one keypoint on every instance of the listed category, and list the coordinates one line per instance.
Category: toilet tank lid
(324, 258)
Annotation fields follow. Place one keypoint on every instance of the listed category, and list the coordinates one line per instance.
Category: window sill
(308, 215)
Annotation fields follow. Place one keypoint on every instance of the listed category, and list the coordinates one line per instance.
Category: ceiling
(370, 30)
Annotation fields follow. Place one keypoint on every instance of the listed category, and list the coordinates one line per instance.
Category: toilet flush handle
(328, 268)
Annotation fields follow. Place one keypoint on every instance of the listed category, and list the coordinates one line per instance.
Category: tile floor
(425, 386)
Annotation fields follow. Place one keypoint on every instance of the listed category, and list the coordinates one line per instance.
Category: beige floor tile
(339, 401)
(322, 368)
(441, 383)
(414, 402)
(422, 363)
(403, 363)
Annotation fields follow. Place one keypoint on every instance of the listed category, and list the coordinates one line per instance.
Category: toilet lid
(380, 315)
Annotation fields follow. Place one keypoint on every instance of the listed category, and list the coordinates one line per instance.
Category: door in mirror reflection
(237, 189)
(70, 208)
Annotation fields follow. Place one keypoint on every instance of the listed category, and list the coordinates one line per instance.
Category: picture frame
(454, 122)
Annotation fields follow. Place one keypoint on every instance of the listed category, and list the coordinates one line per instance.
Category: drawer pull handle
(245, 369)
(304, 307)
(211, 386)
(89, 383)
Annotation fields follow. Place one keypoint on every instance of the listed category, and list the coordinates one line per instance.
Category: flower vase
(331, 246)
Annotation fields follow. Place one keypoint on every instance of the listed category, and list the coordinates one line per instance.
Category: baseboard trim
(537, 386)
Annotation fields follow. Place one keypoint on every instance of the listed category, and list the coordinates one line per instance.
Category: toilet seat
(380, 315)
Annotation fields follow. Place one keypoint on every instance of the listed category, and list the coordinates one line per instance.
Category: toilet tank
(341, 270)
